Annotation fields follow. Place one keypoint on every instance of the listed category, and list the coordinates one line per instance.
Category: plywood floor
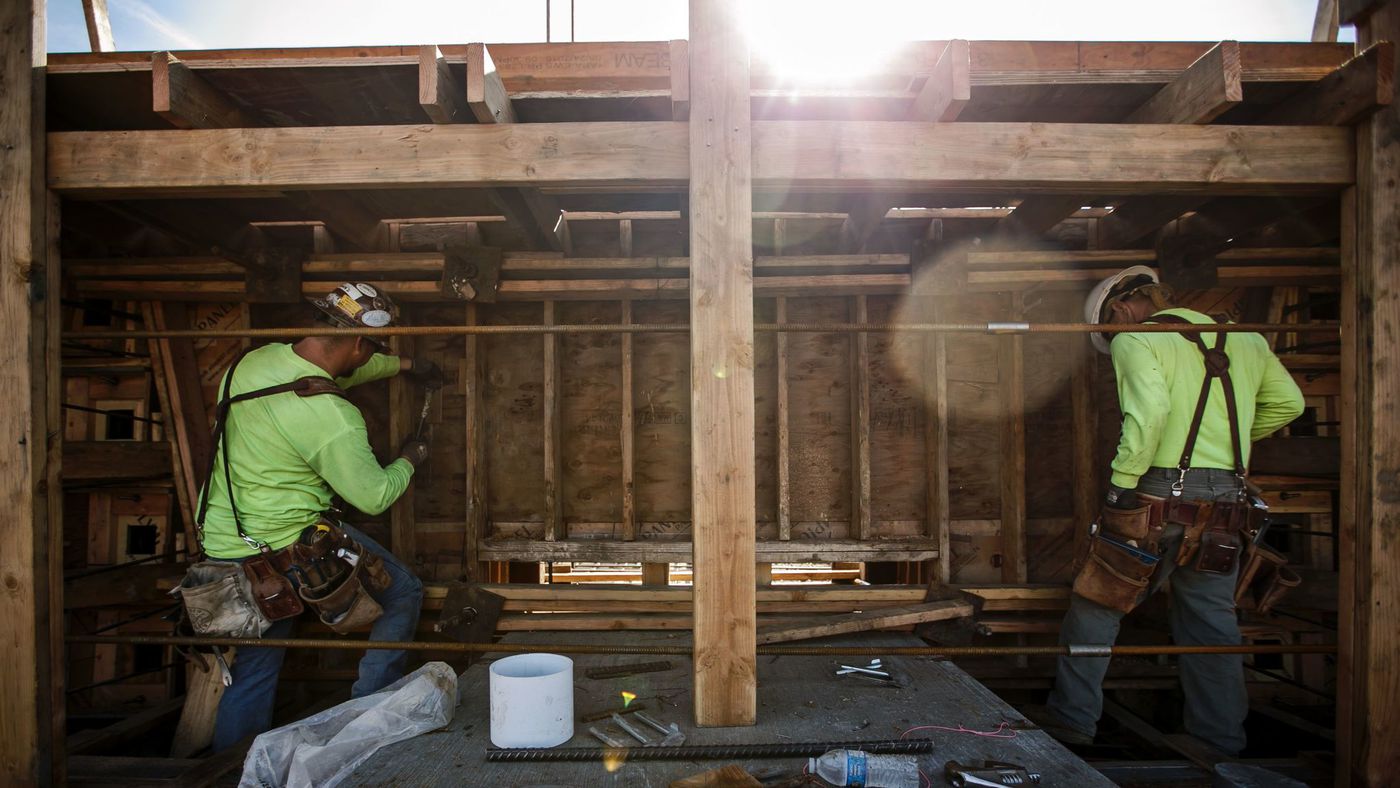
(799, 699)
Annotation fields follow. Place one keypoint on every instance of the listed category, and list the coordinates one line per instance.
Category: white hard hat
(1111, 288)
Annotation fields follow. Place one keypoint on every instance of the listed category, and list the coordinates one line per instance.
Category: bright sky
(230, 24)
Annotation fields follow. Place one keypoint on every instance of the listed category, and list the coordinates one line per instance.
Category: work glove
(426, 373)
(1120, 498)
(415, 450)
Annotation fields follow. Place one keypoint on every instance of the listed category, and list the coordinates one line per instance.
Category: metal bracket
(469, 614)
(471, 273)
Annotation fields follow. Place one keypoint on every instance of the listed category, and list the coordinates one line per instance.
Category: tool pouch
(1112, 576)
(376, 576)
(1127, 524)
(272, 591)
(218, 601)
(347, 606)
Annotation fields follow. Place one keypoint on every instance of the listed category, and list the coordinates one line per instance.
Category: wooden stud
(473, 379)
(1325, 21)
(624, 237)
(680, 80)
(936, 498)
(403, 419)
(1368, 675)
(1358, 88)
(441, 97)
(1037, 214)
(32, 710)
(1011, 379)
(948, 87)
(182, 407)
(721, 364)
(860, 425)
(187, 101)
(763, 574)
(99, 26)
(564, 240)
(784, 417)
(1204, 91)
(553, 464)
(627, 433)
(900, 157)
(656, 574)
(1084, 420)
(486, 94)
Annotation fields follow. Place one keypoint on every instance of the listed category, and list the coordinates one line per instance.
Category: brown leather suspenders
(305, 387)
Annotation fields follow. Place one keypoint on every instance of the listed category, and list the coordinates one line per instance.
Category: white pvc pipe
(532, 700)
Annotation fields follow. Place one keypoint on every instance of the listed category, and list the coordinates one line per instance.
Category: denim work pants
(1202, 613)
(246, 706)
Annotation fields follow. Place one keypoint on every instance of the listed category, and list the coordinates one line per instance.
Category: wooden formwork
(666, 184)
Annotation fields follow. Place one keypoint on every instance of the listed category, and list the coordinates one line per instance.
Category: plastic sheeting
(325, 748)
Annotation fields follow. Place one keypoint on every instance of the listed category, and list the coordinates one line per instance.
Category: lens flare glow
(820, 42)
(627, 698)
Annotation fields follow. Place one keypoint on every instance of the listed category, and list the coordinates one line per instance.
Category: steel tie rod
(1075, 650)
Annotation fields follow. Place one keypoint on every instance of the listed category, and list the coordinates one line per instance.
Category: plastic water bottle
(855, 767)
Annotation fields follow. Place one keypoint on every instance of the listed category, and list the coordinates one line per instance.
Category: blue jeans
(1202, 613)
(246, 706)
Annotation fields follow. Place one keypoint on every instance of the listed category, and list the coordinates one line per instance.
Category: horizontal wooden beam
(948, 89)
(1029, 157)
(865, 621)
(673, 552)
(113, 461)
(1348, 95)
(1207, 88)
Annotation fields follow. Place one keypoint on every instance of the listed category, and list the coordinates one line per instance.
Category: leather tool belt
(1125, 547)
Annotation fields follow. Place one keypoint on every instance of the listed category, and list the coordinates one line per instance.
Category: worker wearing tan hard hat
(286, 439)
(1177, 504)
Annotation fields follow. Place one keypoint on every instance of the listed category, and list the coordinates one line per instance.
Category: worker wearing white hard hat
(1176, 506)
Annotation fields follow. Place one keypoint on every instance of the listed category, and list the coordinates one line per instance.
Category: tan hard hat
(1111, 289)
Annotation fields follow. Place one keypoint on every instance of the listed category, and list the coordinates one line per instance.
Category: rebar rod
(695, 752)
(1073, 650)
(681, 328)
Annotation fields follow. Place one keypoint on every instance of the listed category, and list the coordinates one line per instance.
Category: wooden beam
(185, 417)
(1368, 674)
(346, 217)
(667, 551)
(441, 96)
(948, 87)
(474, 421)
(403, 413)
(865, 621)
(657, 574)
(1011, 382)
(860, 424)
(1358, 88)
(1204, 91)
(486, 94)
(721, 363)
(1084, 422)
(31, 548)
(1134, 219)
(784, 416)
(124, 731)
(1325, 21)
(1037, 214)
(187, 101)
(680, 79)
(99, 26)
(626, 433)
(1031, 157)
(936, 454)
(553, 463)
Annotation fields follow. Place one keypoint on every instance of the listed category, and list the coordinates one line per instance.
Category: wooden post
(629, 502)
(784, 430)
(31, 552)
(1013, 453)
(1368, 674)
(860, 425)
(1084, 420)
(936, 446)
(721, 365)
(99, 26)
(403, 419)
(475, 423)
(182, 407)
(553, 517)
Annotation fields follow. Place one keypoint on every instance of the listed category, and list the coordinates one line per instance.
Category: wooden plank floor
(799, 699)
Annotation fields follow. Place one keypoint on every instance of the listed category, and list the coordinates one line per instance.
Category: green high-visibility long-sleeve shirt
(1159, 382)
(288, 452)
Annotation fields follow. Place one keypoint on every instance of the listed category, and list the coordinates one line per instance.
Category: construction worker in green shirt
(1177, 505)
(279, 459)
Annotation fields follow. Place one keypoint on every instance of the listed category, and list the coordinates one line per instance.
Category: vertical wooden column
(1013, 452)
(31, 607)
(475, 423)
(553, 517)
(626, 432)
(403, 420)
(1368, 673)
(721, 365)
(1084, 420)
(860, 424)
(784, 430)
(936, 445)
